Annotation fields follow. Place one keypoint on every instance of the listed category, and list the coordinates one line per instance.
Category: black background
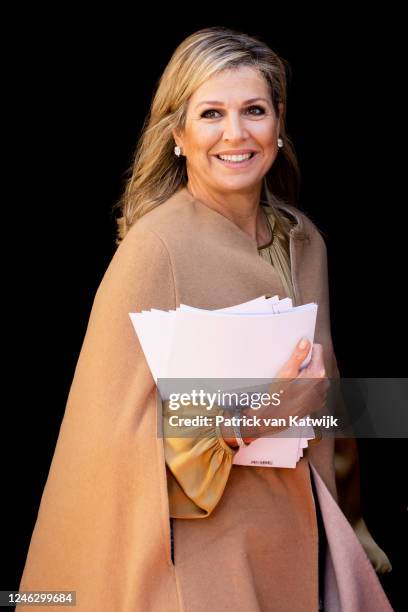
(79, 90)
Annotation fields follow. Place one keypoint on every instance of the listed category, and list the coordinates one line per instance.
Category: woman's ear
(280, 107)
(176, 137)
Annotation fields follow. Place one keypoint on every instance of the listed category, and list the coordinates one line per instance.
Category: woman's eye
(258, 108)
(205, 114)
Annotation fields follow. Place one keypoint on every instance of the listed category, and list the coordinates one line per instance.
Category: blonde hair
(156, 173)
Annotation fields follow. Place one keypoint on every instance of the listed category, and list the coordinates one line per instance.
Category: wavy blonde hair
(156, 173)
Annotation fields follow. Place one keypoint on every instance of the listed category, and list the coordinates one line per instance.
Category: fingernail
(303, 343)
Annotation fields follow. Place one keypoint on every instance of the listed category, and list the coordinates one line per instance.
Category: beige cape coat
(102, 528)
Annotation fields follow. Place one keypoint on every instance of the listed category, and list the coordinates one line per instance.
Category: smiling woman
(222, 93)
(132, 521)
(230, 146)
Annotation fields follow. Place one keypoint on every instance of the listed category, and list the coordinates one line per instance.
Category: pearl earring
(177, 150)
(280, 142)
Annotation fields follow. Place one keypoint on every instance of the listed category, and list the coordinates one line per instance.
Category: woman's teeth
(235, 158)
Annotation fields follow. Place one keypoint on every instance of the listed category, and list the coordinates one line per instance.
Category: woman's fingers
(304, 391)
(315, 375)
(315, 368)
(301, 385)
(291, 368)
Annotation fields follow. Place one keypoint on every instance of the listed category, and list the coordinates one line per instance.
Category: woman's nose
(234, 128)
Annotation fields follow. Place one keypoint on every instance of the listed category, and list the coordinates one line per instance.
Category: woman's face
(232, 114)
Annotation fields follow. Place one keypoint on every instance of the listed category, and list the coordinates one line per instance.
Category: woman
(190, 232)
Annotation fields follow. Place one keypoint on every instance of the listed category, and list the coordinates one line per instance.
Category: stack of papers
(252, 340)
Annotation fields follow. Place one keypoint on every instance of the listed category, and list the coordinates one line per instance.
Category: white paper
(247, 341)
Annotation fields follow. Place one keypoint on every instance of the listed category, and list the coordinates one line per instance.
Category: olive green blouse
(198, 466)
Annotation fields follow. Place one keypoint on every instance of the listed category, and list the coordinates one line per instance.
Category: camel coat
(103, 529)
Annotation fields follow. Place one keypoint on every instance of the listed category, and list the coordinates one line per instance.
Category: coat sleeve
(316, 288)
(102, 523)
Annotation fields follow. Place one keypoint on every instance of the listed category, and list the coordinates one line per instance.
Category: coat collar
(299, 236)
(298, 231)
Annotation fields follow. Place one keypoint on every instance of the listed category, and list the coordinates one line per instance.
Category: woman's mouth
(236, 161)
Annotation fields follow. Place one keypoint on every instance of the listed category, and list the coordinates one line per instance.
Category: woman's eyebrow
(218, 103)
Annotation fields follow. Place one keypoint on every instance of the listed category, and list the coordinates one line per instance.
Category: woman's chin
(237, 183)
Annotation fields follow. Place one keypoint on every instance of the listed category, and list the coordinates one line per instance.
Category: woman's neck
(243, 210)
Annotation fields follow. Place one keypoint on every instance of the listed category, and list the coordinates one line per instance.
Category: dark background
(79, 91)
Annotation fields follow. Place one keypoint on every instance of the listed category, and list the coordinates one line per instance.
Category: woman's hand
(305, 391)
(301, 391)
